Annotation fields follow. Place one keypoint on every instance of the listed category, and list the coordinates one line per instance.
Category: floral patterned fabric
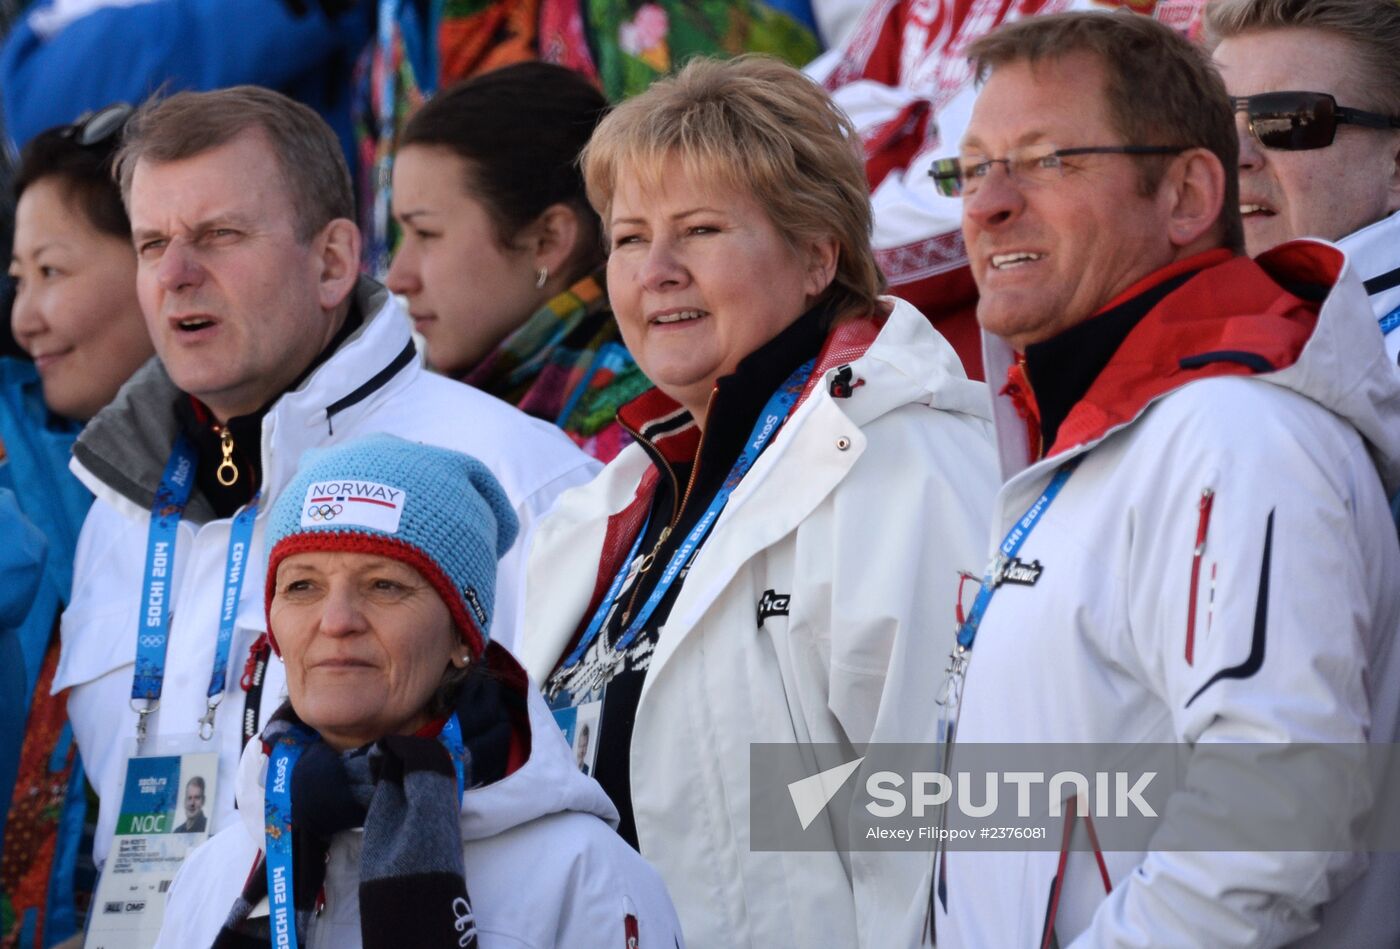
(625, 45)
(621, 45)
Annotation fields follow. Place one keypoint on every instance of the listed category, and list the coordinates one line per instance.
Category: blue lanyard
(153, 628)
(770, 419)
(451, 736)
(239, 541)
(153, 633)
(277, 811)
(596, 623)
(1390, 321)
(1010, 546)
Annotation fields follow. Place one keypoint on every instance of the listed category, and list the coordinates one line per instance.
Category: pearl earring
(541, 276)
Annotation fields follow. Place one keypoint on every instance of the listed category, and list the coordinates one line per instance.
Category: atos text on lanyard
(277, 809)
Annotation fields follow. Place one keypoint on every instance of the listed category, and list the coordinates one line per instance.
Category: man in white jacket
(1197, 449)
(269, 343)
(1317, 100)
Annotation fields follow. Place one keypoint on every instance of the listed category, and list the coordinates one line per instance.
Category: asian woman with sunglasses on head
(76, 314)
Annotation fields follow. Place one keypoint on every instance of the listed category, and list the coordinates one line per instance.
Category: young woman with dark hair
(501, 256)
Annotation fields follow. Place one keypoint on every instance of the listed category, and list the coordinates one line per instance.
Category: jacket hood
(914, 366)
(547, 782)
(1372, 251)
(1296, 317)
(123, 450)
(867, 368)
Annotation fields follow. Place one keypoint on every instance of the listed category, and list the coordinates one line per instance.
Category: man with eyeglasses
(1193, 544)
(1317, 99)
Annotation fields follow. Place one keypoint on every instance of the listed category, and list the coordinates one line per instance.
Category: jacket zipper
(1202, 526)
(650, 558)
(227, 472)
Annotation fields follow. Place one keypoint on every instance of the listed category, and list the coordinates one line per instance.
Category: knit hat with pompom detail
(439, 511)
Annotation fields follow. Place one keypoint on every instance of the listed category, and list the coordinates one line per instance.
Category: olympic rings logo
(151, 641)
(324, 512)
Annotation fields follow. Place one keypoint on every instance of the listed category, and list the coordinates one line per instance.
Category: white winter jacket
(862, 511)
(1375, 253)
(120, 456)
(544, 868)
(1296, 608)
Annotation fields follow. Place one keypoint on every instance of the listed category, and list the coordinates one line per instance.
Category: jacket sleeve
(22, 554)
(55, 64)
(1291, 610)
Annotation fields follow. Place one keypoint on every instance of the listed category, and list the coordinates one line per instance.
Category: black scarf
(402, 790)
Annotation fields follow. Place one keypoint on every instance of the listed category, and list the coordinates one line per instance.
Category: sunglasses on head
(1299, 121)
(96, 127)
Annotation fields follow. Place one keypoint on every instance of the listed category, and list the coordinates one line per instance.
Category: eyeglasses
(1033, 164)
(1300, 121)
(94, 128)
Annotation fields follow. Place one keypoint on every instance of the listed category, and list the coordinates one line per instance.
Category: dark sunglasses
(94, 128)
(1300, 121)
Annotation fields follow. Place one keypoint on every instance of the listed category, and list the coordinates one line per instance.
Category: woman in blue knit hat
(414, 790)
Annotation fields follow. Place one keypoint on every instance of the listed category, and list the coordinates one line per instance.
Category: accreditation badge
(580, 725)
(167, 800)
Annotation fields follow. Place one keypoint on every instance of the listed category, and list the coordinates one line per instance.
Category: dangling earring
(541, 276)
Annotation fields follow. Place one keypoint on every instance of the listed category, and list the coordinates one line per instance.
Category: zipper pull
(1197, 553)
(257, 653)
(226, 446)
(642, 569)
(1207, 499)
(650, 558)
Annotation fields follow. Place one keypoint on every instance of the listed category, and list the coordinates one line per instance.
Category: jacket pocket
(96, 639)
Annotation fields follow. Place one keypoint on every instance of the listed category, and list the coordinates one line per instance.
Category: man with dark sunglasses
(1317, 100)
(1193, 551)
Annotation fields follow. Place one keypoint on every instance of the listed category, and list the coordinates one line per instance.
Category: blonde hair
(1372, 27)
(756, 125)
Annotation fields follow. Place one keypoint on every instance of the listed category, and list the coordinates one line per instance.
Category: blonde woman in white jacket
(777, 557)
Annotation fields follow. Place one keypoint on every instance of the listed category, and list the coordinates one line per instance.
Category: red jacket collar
(660, 422)
(662, 427)
(1234, 318)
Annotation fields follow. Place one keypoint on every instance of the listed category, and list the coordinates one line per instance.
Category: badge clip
(950, 693)
(206, 721)
(142, 714)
